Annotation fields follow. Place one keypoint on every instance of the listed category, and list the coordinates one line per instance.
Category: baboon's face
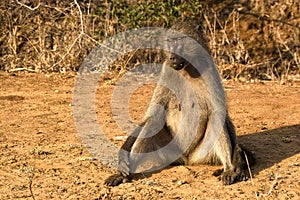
(176, 46)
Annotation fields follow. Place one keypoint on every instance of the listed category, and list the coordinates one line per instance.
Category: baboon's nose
(172, 57)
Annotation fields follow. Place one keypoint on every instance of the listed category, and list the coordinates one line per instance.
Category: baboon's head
(176, 46)
(182, 46)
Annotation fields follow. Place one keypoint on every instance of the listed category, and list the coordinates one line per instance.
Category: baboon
(186, 121)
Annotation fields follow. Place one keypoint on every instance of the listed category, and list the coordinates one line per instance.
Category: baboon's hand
(123, 169)
(115, 180)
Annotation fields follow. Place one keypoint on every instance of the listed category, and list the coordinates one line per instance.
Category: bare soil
(42, 156)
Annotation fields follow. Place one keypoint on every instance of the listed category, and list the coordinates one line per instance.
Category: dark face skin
(176, 44)
(176, 62)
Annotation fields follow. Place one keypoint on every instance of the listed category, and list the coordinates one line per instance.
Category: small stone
(181, 182)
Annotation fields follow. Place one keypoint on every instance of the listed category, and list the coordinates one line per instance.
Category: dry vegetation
(248, 39)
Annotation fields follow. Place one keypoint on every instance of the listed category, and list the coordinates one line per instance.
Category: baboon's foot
(243, 175)
(218, 172)
(115, 180)
(228, 177)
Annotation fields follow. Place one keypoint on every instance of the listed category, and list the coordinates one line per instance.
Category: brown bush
(43, 38)
(255, 38)
(248, 39)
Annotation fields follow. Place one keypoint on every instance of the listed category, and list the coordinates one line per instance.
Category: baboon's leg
(223, 151)
(232, 156)
(147, 153)
(240, 166)
(133, 157)
(240, 162)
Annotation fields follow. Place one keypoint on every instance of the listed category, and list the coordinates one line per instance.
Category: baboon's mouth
(179, 66)
(178, 63)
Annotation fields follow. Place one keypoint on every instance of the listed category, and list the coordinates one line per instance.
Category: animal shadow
(272, 146)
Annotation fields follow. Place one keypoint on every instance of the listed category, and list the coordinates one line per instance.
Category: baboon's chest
(189, 109)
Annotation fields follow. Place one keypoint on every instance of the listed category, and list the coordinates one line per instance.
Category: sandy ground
(43, 157)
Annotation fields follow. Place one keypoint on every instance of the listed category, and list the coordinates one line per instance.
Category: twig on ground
(250, 173)
(30, 184)
(29, 6)
(21, 69)
(275, 183)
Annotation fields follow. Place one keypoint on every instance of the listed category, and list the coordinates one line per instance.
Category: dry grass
(248, 39)
(255, 39)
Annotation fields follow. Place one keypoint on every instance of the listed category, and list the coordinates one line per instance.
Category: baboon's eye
(169, 40)
(182, 39)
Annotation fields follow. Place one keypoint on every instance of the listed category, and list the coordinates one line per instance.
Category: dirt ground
(43, 157)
